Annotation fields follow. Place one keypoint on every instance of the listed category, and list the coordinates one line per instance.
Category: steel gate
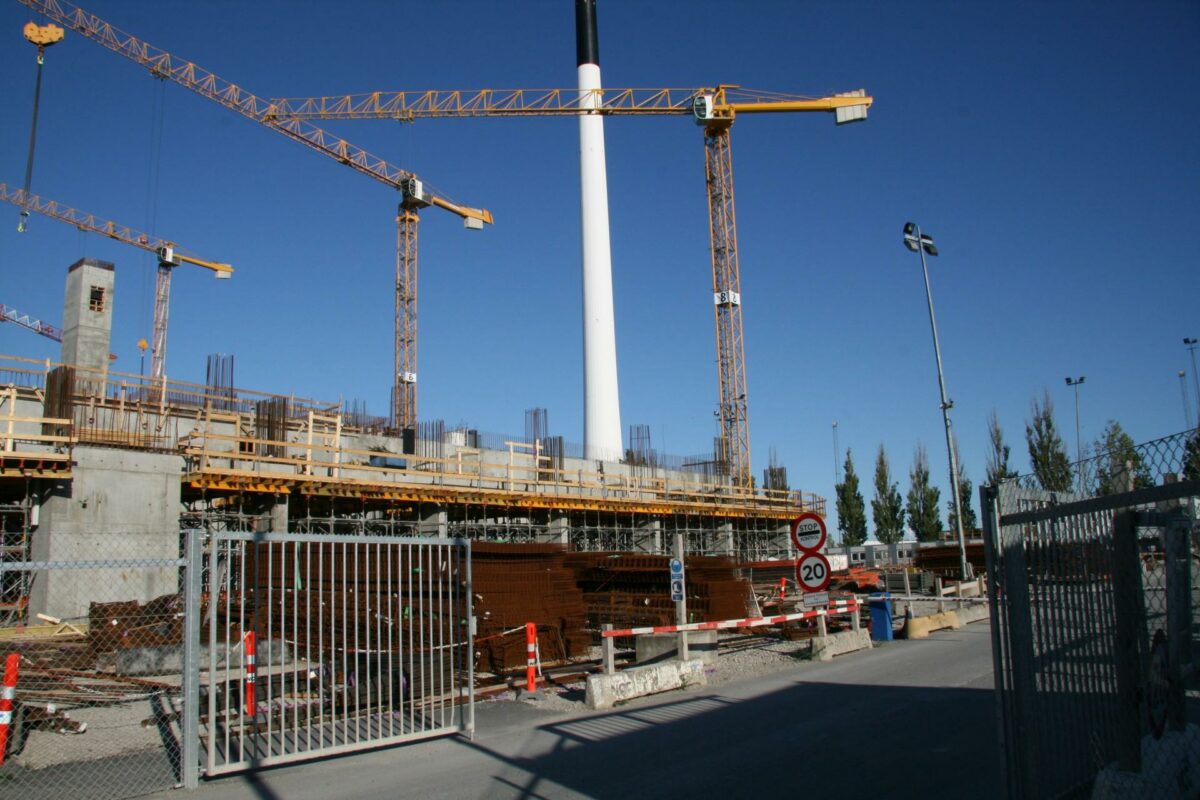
(1094, 625)
(312, 645)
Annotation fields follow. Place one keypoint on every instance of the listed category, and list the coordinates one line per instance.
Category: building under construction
(89, 451)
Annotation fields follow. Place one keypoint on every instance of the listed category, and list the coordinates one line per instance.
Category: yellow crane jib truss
(720, 102)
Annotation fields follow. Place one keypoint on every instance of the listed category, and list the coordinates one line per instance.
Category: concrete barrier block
(825, 648)
(973, 613)
(920, 627)
(605, 691)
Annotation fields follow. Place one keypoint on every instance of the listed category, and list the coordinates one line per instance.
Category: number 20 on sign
(812, 572)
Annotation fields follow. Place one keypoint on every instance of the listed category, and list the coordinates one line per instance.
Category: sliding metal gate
(313, 645)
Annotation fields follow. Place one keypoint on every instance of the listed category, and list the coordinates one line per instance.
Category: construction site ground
(907, 719)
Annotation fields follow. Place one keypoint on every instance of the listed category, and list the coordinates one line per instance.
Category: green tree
(1191, 458)
(1047, 454)
(851, 510)
(888, 507)
(924, 516)
(997, 463)
(965, 490)
(1119, 467)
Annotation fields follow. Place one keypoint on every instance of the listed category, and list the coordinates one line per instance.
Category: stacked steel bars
(519, 583)
(631, 590)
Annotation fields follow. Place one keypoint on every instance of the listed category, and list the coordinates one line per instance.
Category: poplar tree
(888, 507)
(1120, 467)
(965, 490)
(851, 510)
(924, 516)
(997, 463)
(1047, 454)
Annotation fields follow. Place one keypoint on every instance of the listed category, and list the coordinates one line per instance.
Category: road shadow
(824, 738)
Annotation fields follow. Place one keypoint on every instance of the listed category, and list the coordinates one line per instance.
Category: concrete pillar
(724, 543)
(87, 314)
(433, 521)
(559, 529)
(275, 519)
(647, 537)
(119, 505)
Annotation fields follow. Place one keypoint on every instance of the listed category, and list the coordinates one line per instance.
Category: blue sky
(1051, 149)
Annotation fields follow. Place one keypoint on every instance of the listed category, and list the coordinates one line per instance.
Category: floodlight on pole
(922, 243)
(1075, 382)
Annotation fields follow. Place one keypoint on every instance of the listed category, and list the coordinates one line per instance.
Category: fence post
(1023, 735)
(1176, 534)
(1127, 606)
(530, 657)
(190, 747)
(609, 649)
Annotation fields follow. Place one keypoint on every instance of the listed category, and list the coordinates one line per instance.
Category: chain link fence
(96, 638)
(1092, 571)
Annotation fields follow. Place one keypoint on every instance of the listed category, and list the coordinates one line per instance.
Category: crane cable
(43, 36)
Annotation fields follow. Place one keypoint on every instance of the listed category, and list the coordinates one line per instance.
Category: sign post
(678, 594)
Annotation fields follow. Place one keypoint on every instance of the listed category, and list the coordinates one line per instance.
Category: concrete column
(647, 537)
(434, 521)
(274, 518)
(87, 314)
(119, 505)
(725, 543)
(559, 529)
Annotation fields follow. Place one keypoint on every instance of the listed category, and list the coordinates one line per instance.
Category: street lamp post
(837, 471)
(1187, 410)
(922, 243)
(1190, 343)
(1078, 441)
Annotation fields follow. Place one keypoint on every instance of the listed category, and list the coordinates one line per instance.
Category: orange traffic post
(782, 588)
(8, 693)
(530, 657)
(251, 672)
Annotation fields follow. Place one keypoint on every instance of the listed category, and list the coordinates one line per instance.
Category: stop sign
(808, 532)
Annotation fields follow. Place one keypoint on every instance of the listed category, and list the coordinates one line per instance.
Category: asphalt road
(909, 719)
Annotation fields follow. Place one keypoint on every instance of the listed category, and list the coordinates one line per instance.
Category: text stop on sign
(808, 532)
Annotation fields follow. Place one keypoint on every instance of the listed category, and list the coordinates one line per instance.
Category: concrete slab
(836, 644)
(605, 691)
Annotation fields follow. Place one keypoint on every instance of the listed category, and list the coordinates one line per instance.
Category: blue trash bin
(880, 604)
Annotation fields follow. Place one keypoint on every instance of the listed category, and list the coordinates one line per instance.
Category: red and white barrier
(836, 607)
(8, 694)
(251, 672)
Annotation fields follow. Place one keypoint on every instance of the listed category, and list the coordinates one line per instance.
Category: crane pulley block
(43, 35)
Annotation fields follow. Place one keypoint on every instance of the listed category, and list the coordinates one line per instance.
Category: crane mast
(713, 108)
(414, 193)
(168, 258)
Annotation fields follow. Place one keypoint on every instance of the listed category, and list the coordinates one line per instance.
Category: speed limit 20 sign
(808, 532)
(812, 572)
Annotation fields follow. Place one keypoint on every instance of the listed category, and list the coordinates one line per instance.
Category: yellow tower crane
(713, 108)
(414, 193)
(168, 258)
